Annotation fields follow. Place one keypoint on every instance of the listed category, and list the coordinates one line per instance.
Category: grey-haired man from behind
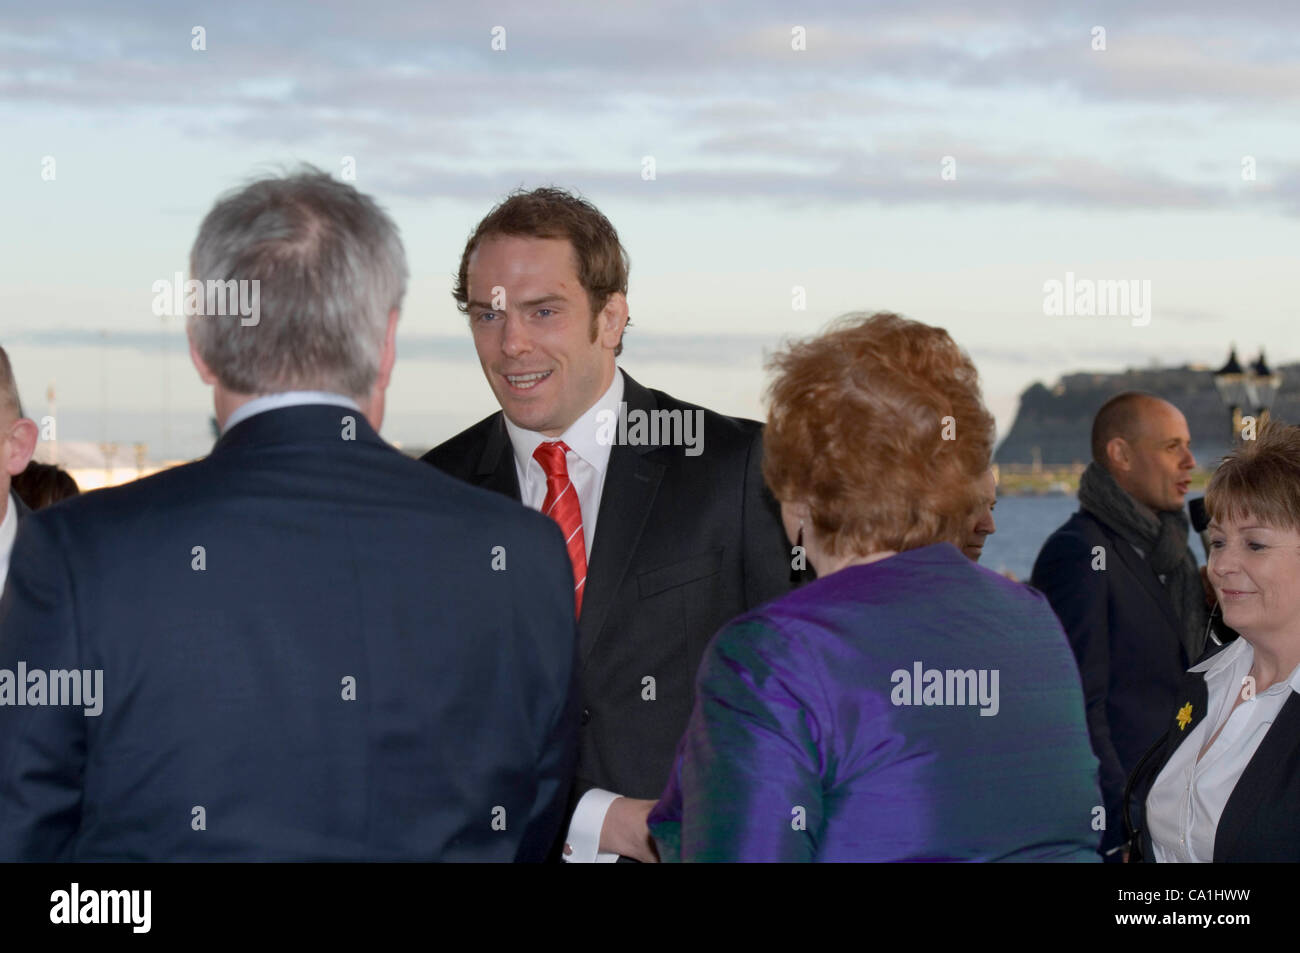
(309, 647)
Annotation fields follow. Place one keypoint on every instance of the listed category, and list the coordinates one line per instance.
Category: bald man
(17, 443)
(1126, 587)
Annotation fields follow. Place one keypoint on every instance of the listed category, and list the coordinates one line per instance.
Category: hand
(625, 830)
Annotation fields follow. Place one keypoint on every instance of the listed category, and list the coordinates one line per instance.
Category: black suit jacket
(1259, 822)
(324, 563)
(683, 544)
(1125, 636)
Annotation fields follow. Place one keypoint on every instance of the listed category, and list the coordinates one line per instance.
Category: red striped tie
(561, 504)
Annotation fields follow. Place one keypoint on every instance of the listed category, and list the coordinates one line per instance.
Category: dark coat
(234, 604)
(1259, 822)
(683, 544)
(1126, 639)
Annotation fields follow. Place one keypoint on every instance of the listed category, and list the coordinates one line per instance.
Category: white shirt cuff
(584, 828)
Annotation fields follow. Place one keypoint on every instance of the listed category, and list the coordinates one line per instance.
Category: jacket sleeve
(767, 552)
(1079, 596)
(747, 784)
(42, 747)
(546, 623)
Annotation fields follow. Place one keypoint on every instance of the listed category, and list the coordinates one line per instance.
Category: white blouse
(1187, 799)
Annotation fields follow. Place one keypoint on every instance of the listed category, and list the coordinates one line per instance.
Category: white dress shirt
(1188, 797)
(288, 398)
(587, 462)
(8, 533)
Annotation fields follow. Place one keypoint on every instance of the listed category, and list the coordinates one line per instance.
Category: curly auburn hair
(1260, 479)
(856, 430)
(601, 260)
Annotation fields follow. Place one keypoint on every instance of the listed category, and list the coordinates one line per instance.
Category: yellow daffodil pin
(1184, 716)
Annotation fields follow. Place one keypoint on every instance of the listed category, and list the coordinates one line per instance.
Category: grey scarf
(1163, 537)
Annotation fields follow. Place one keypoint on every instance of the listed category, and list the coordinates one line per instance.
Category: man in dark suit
(1126, 587)
(671, 532)
(305, 646)
(17, 442)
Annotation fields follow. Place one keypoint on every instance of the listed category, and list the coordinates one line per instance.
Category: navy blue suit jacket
(1125, 635)
(307, 654)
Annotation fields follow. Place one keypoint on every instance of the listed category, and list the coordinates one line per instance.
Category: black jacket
(1126, 639)
(1260, 821)
(683, 544)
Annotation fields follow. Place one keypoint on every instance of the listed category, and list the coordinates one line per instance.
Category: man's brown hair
(601, 260)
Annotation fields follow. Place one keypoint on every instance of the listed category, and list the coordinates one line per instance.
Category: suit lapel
(1260, 779)
(631, 483)
(1192, 707)
(496, 467)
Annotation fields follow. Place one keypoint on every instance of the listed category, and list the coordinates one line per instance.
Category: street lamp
(1231, 382)
(1264, 384)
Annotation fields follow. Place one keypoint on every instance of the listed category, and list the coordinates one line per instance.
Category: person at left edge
(17, 442)
(667, 542)
(311, 647)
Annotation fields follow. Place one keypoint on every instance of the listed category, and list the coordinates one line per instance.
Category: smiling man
(666, 542)
(1126, 587)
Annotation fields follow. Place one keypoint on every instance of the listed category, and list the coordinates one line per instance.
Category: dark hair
(601, 260)
(42, 484)
(1118, 417)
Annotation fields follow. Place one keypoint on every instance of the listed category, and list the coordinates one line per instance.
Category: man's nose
(514, 338)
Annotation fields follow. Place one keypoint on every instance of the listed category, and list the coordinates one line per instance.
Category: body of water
(1024, 523)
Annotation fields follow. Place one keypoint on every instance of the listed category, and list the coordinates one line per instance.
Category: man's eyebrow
(479, 304)
(544, 299)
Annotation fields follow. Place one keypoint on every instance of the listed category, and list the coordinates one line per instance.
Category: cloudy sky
(942, 159)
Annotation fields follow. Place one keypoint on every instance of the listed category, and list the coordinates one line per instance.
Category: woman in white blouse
(1227, 774)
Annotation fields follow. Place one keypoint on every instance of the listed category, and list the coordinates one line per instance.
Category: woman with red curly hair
(908, 705)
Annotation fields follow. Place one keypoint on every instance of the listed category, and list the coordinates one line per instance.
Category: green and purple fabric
(919, 708)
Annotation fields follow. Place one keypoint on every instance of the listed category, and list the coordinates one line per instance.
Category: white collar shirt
(288, 398)
(587, 459)
(1187, 799)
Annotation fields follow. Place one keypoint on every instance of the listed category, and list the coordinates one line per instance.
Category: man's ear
(387, 353)
(612, 320)
(1120, 454)
(200, 365)
(20, 446)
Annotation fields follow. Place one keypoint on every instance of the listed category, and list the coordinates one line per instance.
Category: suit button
(586, 715)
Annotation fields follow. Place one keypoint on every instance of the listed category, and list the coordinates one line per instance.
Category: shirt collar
(1241, 654)
(288, 398)
(582, 436)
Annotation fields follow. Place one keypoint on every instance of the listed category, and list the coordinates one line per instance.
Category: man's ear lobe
(613, 319)
(21, 446)
(1117, 452)
(200, 365)
(388, 351)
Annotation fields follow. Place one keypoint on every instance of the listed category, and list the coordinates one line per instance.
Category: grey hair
(331, 268)
(9, 398)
